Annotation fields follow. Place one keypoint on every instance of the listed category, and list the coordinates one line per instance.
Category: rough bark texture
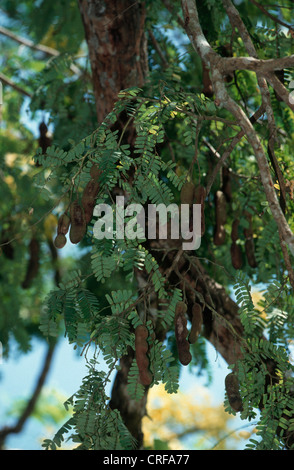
(118, 55)
(117, 48)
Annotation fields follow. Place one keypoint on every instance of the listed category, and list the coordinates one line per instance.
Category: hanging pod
(181, 333)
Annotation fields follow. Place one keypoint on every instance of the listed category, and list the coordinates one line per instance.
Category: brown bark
(117, 48)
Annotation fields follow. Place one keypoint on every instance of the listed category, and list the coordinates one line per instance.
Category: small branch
(158, 49)
(4, 79)
(27, 42)
(280, 89)
(37, 47)
(272, 17)
(171, 9)
(228, 151)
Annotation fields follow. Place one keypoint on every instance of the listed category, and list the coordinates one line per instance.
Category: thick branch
(230, 64)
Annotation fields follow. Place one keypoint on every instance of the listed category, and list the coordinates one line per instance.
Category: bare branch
(230, 64)
(27, 42)
(7, 81)
(38, 47)
(229, 150)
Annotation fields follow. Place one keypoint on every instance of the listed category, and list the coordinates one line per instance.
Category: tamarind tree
(161, 103)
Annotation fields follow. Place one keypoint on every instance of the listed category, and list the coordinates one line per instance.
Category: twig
(38, 47)
(272, 17)
(158, 49)
(9, 82)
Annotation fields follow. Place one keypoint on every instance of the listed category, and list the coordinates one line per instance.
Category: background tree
(141, 113)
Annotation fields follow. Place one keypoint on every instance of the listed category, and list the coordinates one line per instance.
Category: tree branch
(223, 99)
(38, 47)
(272, 17)
(7, 81)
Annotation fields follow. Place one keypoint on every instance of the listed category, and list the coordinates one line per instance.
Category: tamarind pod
(187, 193)
(233, 393)
(33, 265)
(220, 208)
(219, 236)
(181, 333)
(248, 232)
(197, 320)
(234, 232)
(95, 172)
(181, 308)
(249, 250)
(226, 186)
(60, 240)
(199, 195)
(89, 198)
(146, 377)
(63, 224)
(236, 256)
(141, 349)
(78, 223)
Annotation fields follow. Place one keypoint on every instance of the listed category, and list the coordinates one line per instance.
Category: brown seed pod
(89, 198)
(95, 172)
(234, 232)
(249, 250)
(219, 236)
(78, 223)
(199, 196)
(60, 240)
(33, 265)
(187, 193)
(181, 333)
(197, 321)
(233, 393)
(226, 186)
(63, 224)
(207, 85)
(141, 349)
(236, 256)
(220, 208)
(248, 232)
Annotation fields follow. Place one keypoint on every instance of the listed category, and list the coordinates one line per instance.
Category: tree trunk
(118, 55)
(117, 48)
